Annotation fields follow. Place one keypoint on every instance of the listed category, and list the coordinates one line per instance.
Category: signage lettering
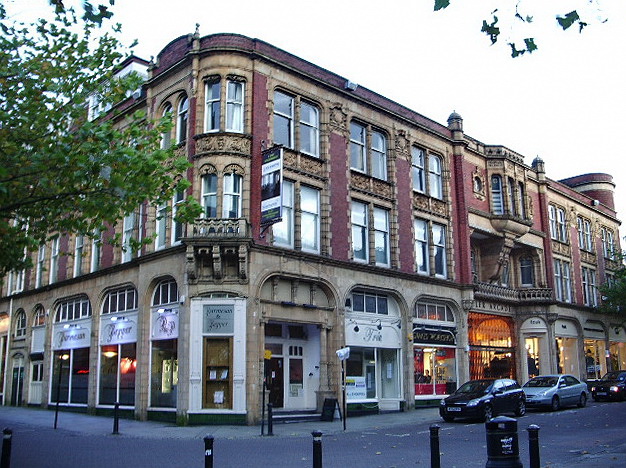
(492, 306)
(372, 335)
(218, 319)
(433, 337)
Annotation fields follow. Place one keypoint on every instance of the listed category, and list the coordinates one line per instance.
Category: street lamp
(62, 357)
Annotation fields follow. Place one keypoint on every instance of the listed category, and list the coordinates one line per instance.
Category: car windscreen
(475, 386)
(541, 382)
(613, 376)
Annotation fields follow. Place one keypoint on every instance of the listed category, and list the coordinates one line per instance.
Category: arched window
(166, 292)
(183, 114)
(73, 309)
(39, 316)
(166, 136)
(20, 324)
(436, 183)
(120, 300)
(496, 195)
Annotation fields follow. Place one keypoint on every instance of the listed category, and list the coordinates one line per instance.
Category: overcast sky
(565, 103)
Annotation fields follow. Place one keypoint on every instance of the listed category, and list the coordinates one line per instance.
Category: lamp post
(62, 357)
(343, 354)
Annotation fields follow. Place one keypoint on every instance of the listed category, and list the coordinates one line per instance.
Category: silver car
(555, 391)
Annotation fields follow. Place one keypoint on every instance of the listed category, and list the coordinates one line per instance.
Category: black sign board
(328, 411)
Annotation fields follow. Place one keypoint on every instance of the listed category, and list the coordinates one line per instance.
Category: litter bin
(502, 443)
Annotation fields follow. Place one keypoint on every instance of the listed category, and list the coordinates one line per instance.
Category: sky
(566, 102)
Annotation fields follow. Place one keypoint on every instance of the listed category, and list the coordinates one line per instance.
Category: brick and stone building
(435, 257)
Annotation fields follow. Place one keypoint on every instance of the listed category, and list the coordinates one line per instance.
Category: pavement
(102, 425)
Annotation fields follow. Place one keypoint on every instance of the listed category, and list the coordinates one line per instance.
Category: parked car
(483, 399)
(612, 386)
(555, 391)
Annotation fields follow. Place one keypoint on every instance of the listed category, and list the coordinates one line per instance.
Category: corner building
(384, 246)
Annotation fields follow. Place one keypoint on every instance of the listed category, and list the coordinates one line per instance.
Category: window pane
(283, 119)
(310, 220)
(417, 157)
(309, 129)
(212, 119)
(379, 157)
(357, 147)
(234, 107)
(283, 231)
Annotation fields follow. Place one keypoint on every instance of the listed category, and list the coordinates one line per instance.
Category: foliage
(61, 172)
(614, 293)
(527, 44)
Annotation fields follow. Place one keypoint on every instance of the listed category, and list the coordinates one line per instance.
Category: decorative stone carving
(220, 143)
(382, 188)
(338, 119)
(402, 143)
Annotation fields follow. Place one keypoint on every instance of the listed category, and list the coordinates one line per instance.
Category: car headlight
(593, 389)
(614, 388)
(473, 402)
(443, 403)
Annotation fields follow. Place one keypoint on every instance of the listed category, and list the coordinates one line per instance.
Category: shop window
(361, 374)
(72, 366)
(567, 355)
(118, 366)
(434, 370)
(218, 387)
(532, 356)
(491, 352)
(164, 373)
(595, 362)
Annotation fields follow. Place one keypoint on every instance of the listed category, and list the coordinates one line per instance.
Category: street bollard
(5, 460)
(533, 445)
(116, 419)
(208, 451)
(317, 449)
(435, 461)
(502, 443)
(270, 422)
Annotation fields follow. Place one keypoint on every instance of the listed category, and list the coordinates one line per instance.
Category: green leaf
(491, 29)
(441, 4)
(570, 18)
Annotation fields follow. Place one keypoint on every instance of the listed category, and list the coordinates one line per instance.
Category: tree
(60, 171)
(563, 19)
(614, 292)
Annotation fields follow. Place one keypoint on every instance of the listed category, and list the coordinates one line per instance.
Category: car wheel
(582, 401)
(448, 418)
(487, 413)
(556, 403)
(521, 408)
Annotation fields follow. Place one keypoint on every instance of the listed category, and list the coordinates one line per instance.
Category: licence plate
(453, 408)
(601, 393)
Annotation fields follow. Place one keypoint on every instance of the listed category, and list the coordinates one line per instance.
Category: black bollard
(533, 445)
(116, 419)
(317, 449)
(270, 422)
(5, 461)
(435, 461)
(208, 451)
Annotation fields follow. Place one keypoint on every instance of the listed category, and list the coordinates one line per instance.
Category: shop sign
(356, 388)
(123, 330)
(218, 319)
(71, 336)
(440, 337)
(491, 306)
(165, 325)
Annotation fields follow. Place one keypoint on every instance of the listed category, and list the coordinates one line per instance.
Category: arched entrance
(492, 350)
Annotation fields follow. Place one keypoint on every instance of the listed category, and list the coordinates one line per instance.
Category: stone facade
(428, 253)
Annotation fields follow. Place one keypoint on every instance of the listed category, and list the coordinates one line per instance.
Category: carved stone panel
(220, 143)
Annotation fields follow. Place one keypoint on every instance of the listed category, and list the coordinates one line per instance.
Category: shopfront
(617, 347)
(70, 362)
(492, 347)
(4, 327)
(534, 336)
(218, 356)
(373, 369)
(434, 350)
(567, 347)
(596, 351)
